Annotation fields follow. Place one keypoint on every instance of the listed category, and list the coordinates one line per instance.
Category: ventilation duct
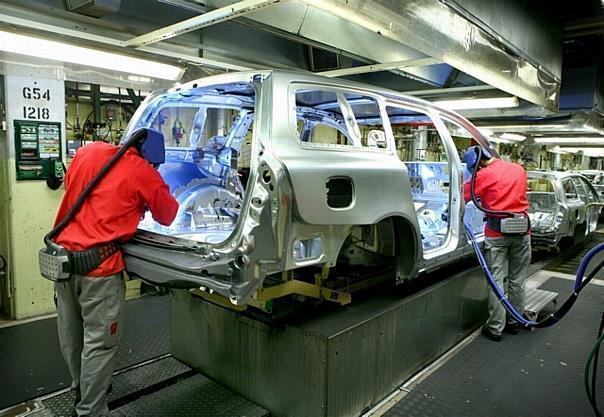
(94, 8)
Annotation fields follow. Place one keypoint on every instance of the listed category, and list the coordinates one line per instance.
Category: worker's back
(501, 185)
(112, 211)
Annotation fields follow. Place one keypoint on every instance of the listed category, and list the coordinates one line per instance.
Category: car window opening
(208, 135)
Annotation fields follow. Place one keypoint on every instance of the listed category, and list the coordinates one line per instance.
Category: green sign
(37, 149)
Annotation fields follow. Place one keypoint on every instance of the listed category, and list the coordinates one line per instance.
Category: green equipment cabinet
(38, 151)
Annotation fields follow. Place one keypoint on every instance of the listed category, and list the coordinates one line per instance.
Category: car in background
(560, 208)
(597, 180)
(296, 185)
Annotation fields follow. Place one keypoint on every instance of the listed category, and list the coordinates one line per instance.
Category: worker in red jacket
(90, 304)
(501, 186)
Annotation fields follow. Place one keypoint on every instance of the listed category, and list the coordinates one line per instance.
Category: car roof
(306, 76)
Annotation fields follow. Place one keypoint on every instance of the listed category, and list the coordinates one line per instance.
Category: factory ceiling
(545, 53)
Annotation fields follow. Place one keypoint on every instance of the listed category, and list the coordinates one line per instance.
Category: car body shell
(287, 209)
(562, 212)
(596, 178)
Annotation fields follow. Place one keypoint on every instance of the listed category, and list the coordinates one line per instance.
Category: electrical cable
(473, 187)
(594, 374)
(136, 136)
(579, 284)
(593, 356)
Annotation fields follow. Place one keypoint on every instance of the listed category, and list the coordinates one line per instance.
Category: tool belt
(518, 225)
(58, 263)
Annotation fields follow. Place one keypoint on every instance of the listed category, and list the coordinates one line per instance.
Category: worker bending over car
(90, 304)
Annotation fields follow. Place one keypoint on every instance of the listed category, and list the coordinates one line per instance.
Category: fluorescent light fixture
(525, 127)
(590, 140)
(499, 140)
(193, 7)
(479, 103)
(513, 136)
(557, 149)
(139, 79)
(58, 51)
(485, 132)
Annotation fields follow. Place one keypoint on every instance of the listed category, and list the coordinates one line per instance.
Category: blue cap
(151, 147)
(470, 156)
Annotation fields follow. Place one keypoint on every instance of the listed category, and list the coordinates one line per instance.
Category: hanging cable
(499, 213)
(579, 284)
(594, 375)
(593, 356)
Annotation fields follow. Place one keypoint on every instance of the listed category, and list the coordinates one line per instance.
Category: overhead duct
(94, 8)
(579, 124)
(582, 89)
(396, 30)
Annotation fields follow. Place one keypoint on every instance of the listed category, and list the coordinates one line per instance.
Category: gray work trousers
(508, 258)
(89, 321)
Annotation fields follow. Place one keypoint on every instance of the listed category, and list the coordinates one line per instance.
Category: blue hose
(553, 318)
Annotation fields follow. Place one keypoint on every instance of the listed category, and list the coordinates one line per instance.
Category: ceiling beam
(213, 17)
(418, 25)
(449, 90)
(381, 67)
(116, 43)
(584, 27)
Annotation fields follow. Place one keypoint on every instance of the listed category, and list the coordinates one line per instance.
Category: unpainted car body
(290, 183)
(559, 208)
(596, 178)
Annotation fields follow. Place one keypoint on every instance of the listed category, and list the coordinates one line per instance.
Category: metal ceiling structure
(428, 48)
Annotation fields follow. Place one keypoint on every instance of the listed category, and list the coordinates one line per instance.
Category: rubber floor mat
(538, 373)
(32, 364)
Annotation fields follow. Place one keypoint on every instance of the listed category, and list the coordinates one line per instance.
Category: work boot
(491, 336)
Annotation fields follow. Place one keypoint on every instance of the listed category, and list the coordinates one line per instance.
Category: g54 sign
(34, 94)
(39, 99)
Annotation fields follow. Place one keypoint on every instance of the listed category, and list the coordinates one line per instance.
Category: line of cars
(562, 208)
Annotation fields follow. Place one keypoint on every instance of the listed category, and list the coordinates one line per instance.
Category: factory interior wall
(5, 305)
(31, 204)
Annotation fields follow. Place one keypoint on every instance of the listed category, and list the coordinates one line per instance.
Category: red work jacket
(113, 209)
(501, 185)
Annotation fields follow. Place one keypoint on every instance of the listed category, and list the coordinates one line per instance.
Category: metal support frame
(198, 22)
(133, 97)
(420, 62)
(264, 297)
(450, 90)
(95, 95)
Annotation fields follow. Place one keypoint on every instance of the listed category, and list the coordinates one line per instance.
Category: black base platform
(334, 362)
